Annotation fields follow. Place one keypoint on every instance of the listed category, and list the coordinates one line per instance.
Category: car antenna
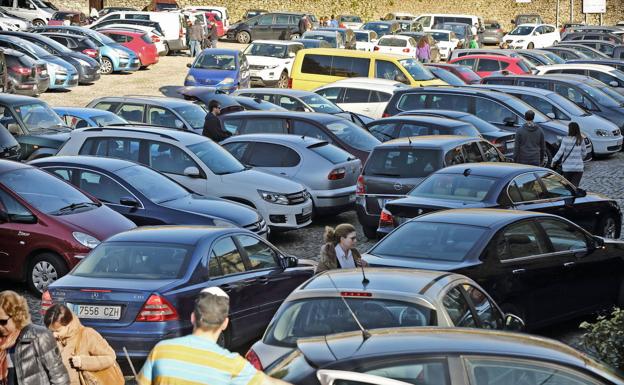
(365, 333)
(365, 280)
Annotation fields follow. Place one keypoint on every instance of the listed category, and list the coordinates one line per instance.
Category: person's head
(211, 310)
(333, 17)
(57, 318)
(344, 235)
(214, 107)
(422, 42)
(14, 315)
(529, 115)
(575, 130)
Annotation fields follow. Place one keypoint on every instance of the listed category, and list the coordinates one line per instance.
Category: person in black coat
(213, 127)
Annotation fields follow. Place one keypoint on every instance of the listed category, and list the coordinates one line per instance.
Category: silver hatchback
(328, 172)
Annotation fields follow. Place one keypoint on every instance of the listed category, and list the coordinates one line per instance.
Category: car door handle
(227, 288)
(518, 271)
(263, 280)
(569, 264)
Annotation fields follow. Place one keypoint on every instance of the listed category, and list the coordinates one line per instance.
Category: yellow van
(319, 66)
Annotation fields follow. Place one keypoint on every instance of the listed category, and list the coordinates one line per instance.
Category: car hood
(591, 122)
(101, 222)
(236, 213)
(415, 263)
(262, 181)
(266, 60)
(517, 37)
(212, 77)
(77, 55)
(63, 63)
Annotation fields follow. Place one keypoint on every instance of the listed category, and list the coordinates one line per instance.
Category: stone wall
(501, 10)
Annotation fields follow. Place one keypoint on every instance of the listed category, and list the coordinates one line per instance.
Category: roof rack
(139, 129)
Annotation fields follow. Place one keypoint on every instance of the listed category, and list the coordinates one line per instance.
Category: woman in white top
(339, 250)
(571, 154)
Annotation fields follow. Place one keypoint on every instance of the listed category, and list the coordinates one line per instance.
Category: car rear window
(125, 260)
(455, 187)
(353, 135)
(403, 162)
(392, 42)
(313, 317)
(146, 38)
(330, 152)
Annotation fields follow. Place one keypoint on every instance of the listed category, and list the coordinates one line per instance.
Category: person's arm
(517, 146)
(558, 154)
(101, 355)
(583, 149)
(51, 360)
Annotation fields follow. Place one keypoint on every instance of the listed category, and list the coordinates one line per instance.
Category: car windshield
(313, 317)
(270, 50)
(491, 25)
(353, 135)
(155, 186)
(55, 45)
(361, 36)
(193, 115)
(447, 77)
(33, 48)
(429, 240)
(56, 198)
(554, 57)
(320, 104)
(602, 97)
(522, 31)
(392, 42)
(528, 19)
(331, 39)
(381, 29)
(441, 36)
(37, 116)
(208, 61)
(403, 162)
(331, 152)
(350, 19)
(460, 30)
(467, 73)
(135, 261)
(567, 105)
(108, 119)
(456, 187)
(416, 69)
(613, 94)
(216, 158)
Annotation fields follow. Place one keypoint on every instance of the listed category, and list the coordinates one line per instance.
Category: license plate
(509, 145)
(96, 312)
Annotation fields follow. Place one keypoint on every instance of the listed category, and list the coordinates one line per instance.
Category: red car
(211, 16)
(68, 18)
(485, 65)
(463, 72)
(139, 42)
(46, 231)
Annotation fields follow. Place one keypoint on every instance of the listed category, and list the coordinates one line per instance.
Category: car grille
(257, 226)
(301, 218)
(256, 67)
(296, 198)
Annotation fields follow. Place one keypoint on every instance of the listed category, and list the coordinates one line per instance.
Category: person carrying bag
(569, 159)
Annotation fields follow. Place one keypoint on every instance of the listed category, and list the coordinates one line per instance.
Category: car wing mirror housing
(510, 120)
(580, 193)
(514, 323)
(290, 261)
(128, 201)
(192, 172)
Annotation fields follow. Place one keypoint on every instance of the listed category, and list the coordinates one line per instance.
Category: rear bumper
(337, 200)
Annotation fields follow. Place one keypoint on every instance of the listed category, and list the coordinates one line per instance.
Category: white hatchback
(270, 61)
(528, 36)
(396, 44)
(447, 41)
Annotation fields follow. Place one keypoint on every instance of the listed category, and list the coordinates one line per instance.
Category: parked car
(528, 18)
(398, 16)
(410, 26)
(446, 40)
(485, 65)
(155, 111)
(364, 40)
(200, 165)
(544, 250)
(350, 21)
(227, 69)
(168, 267)
(425, 355)
(139, 42)
(382, 28)
(361, 95)
(106, 10)
(462, 31)
(493, 32)
(408, 126)
(81, 117)
(62, 225)
(566, 53)
(540, 56)
(392, 298)
(76, 43)
(328, 173)
(614, 63)
(313, 43)
(396, 44)
(152, 27)
(463, 72)
(528, 36)
(147, 197)
(68, 18)
(15, 23)
(10, 149)
(459, 52)
(348, 35)
(505, 186)
(587, 51)
(430, 20)
(608, 75)
(273, 25)
(592, 36)
(222, 12)
(448, 77)
(38, 129)
(396, 166)
(270, 61)
(256, 104)
(333, 38)
(37, 12)
(570, 27)
(26, 76)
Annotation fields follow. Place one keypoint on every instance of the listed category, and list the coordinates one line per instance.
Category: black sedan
(438, 356)
(407, 126)
(541, 267)
(507, 186)
(147, 197)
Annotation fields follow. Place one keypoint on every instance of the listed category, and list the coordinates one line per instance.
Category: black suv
(275, 25)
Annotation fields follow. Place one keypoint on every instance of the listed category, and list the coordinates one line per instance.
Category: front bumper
(64, 81)
(265, 77)
(491, 40)
(604, 145)
(89, 75)
(286, 217)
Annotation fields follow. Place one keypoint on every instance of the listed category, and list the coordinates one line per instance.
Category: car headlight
(86, 239)
(122, 54)
(223, 223)
(273, 197)
(271, 67)
(601, 132)
(190, 78)
(227, 81)
(520, 41)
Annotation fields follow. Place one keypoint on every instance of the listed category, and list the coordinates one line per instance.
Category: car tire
(243, 37)
(607, 227)
(549, 155)
(370, 232)
(282, 82)
(530, 46)
(44, 269)
(38, 23)
(107, 66)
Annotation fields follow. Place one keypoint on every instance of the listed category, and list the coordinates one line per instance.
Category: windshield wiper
(74, 206)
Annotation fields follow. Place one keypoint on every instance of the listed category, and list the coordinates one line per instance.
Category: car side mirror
(178, 124)
(189, 65)
(289, 261)
(401, 78)
(192, 172)
(510, 121)
(597, 243)
(613, 83)
(513, 322)
(580, 193)
(13, 128)
(551, 115)
(129, 201)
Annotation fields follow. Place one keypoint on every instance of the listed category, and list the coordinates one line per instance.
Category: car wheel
(44, 269)
(38, 23)
(370, 232)
(294, 36)
(530, 46)
(283, 80)
(607, 227)
(107, 66)
(548, 155)
(166, 52)
(243, 37)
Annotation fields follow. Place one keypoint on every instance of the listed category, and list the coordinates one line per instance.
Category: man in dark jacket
(529, 145)
(213, 34)
(303, 27)
(213, 127)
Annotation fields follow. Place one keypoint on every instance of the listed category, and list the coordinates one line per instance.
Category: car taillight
(155, 39)
(253, 359)
(336, 174)
(385, 115)
(21, 70)
(355, 294)
(386, 219)
(360, 187)
(376, 48)
(406, 49)
(289, 82)
(157, 309)
(46, 301)
(90, 52)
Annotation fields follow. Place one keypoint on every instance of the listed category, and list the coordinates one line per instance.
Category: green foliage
(604, 338)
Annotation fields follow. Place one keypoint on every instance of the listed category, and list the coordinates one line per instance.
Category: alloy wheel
(283, 80)
(107, 66)
(43, 274)
(609, 230)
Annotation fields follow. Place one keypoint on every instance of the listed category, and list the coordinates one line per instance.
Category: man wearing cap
(197, 358)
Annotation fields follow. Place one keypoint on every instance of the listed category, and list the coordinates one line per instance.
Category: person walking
(571, 154)
(339, 250)
(473, 44)
(82, 349)
(423, 50)
(213, 34)
(28, 353)
(197, 358)
(529, 147)
(302, 26)
(213, 127)
(195, 38)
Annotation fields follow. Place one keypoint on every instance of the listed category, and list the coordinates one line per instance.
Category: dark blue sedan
(225, 69)
(139, 287)
(148, 197)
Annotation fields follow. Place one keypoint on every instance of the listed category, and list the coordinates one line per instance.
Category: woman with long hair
(423, 50)
(571, 154)
(339, 250)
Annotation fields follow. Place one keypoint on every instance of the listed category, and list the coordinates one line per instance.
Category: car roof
(277, 42)
(82, 111)
(449, 113)
(18, 99)
(400, 37)
(528, 90)
(297, 140)
(530, 25)
(186, 235)
(107, 164)
(321, 32)
(566, 77)
(277, 91)
(492, 57)
(440, 30)
(429, 141)
(382, 22)
(9, 165)
(367, 82)
(443, 122)
(478, 217)
(184, 137)
(491, 169)
(585, 66)
(221, 51)
(464, 90)
(123, 31)
(158, 100)
(316, 116)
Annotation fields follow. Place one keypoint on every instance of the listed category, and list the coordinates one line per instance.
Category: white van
(172, 24)
(222, 12)
(38, 12)
(428, 20)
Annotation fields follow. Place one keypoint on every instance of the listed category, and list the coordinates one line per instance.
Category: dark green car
(36, 127)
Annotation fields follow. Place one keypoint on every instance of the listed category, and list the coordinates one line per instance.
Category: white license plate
(96, 312)
(509, 145)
